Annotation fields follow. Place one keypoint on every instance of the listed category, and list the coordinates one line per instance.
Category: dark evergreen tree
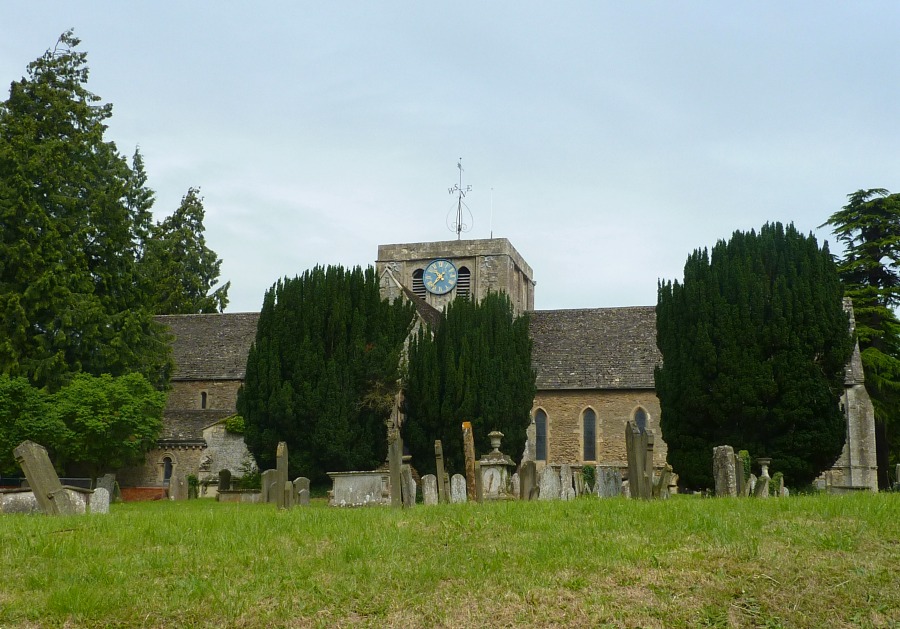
(323, 371)
(178, 269)
(754, 344)
(70, 297)
(869, 228)
(475, 366)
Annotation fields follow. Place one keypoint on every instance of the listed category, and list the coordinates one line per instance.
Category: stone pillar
(723, 471)
(281, 474)
(409, 486)
(395, 463)
(762, 483)
(469, 449)
(443, 496)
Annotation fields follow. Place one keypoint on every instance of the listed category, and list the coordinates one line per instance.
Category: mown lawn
(806, 561)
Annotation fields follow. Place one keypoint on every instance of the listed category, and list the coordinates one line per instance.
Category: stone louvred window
(463, 282)
(589, 421)
(540, 435)
(418, 286)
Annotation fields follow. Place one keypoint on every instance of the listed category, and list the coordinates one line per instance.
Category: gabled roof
(211, 346)
(595, 348)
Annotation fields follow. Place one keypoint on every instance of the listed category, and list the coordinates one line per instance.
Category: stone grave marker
(549, 484)
(724, 471)
(99, 501)
(429, 489)
(515, 485)
(51, 497)
(267, 482)
(395, 463)
(608, 482)
(442, 487)
(224, 480)
(469, 451)
(479, 483)
(762, 483)
(565, 480)
(409, 486)
(301, 483)
(458, 489)
(108, 482)
(527, 479)
(639, 447)
(282, 499)
(739, 474)
(581, 487)
(303, 497)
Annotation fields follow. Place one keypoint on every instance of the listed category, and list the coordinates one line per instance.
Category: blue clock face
(439, 276)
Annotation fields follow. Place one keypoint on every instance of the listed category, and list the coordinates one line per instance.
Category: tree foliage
(180, 271)
(98, 423)
(754, 344)
(476, 366)
(322, 372)
(869, 228)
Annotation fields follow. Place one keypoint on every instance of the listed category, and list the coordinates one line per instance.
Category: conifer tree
(754, 342)
(869, 228)
(475, 366)
(323, 372)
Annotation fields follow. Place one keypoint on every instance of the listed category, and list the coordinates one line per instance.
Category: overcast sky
(610, 138)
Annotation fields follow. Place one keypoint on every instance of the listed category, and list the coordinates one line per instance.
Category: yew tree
(754, 341)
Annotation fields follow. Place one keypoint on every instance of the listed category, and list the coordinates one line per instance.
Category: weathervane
(455, 223)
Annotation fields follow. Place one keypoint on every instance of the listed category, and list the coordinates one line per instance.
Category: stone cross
(442, 488)
(281, 475)
(458, 491)
(724, 471)
(429, 489)
(469, 450)
(51, 497)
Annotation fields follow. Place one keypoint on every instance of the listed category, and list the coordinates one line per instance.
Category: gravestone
(469, 452)
(527, 479)
(51, 497)
(565, 480)
(458, 489)
(442, 486)
(724, 471)
(395, 463)
(661, 484)
(409, 486)
(515, 485)
(267, 482)
(581, 487)
(751, 485)
(99, 501)
(639, 447)
(429, 489)
(225, 480)
(549, 484)
(479, 483)
(739, 474)
(608, 482)
(780, 489)
(303, 497)
(108, 482)
(282, 499)
(762, 483)
(301, 483)
(19, 501)
(495, 470)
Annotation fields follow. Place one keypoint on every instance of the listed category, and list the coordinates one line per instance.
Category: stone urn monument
(496, 471)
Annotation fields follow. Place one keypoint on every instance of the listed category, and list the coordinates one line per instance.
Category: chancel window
(589, 432)
(418, 286)
(640, 419)
(463, 282)
(540, 435)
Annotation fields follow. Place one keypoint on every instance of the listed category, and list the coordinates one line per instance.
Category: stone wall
(220, 394)
(225, 451)
(613, 408)
(185, 460)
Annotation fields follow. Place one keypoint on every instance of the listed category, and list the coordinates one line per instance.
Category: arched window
(418, 286)
(203, 397)
(463, 282)
(640, 419)
(167, 470)
(589, 433)
(540, 435)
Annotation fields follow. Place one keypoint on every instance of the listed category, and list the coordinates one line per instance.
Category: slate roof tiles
(211, 346)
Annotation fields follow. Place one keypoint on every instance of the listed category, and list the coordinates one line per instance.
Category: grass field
(806, 561)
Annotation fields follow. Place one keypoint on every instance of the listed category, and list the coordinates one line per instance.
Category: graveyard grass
(806, 561)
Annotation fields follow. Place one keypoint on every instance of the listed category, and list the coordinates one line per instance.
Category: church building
(594, 371)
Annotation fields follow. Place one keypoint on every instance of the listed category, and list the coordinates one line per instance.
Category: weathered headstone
(267, 481)
(608, 482)
(429, 490)
(458, 489)
(751, 485)
(52, 498)
(762, 483)
(527, 479)
(409, 486)
(739, 474)
(479, 483)
(395, 463)
(724, 472)
(661, 484)
(565, 480)
(581, 487)
(19, 502)
(442, 487)
(469, 451)
(108, 482)
(225, 480)
(515, 485)
(288, 495)
(549, 484)
(281, 477)
(303, 497)
(639, 447)
(301, 483)
(99, 501)
(779, 492)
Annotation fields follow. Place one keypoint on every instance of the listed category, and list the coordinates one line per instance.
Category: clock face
(439, 276)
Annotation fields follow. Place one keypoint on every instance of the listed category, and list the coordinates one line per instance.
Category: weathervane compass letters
(456, 223)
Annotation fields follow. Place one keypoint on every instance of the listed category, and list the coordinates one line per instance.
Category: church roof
(211, 346)
(595, 348)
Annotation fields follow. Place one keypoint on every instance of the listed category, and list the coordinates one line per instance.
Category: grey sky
(616, 136)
